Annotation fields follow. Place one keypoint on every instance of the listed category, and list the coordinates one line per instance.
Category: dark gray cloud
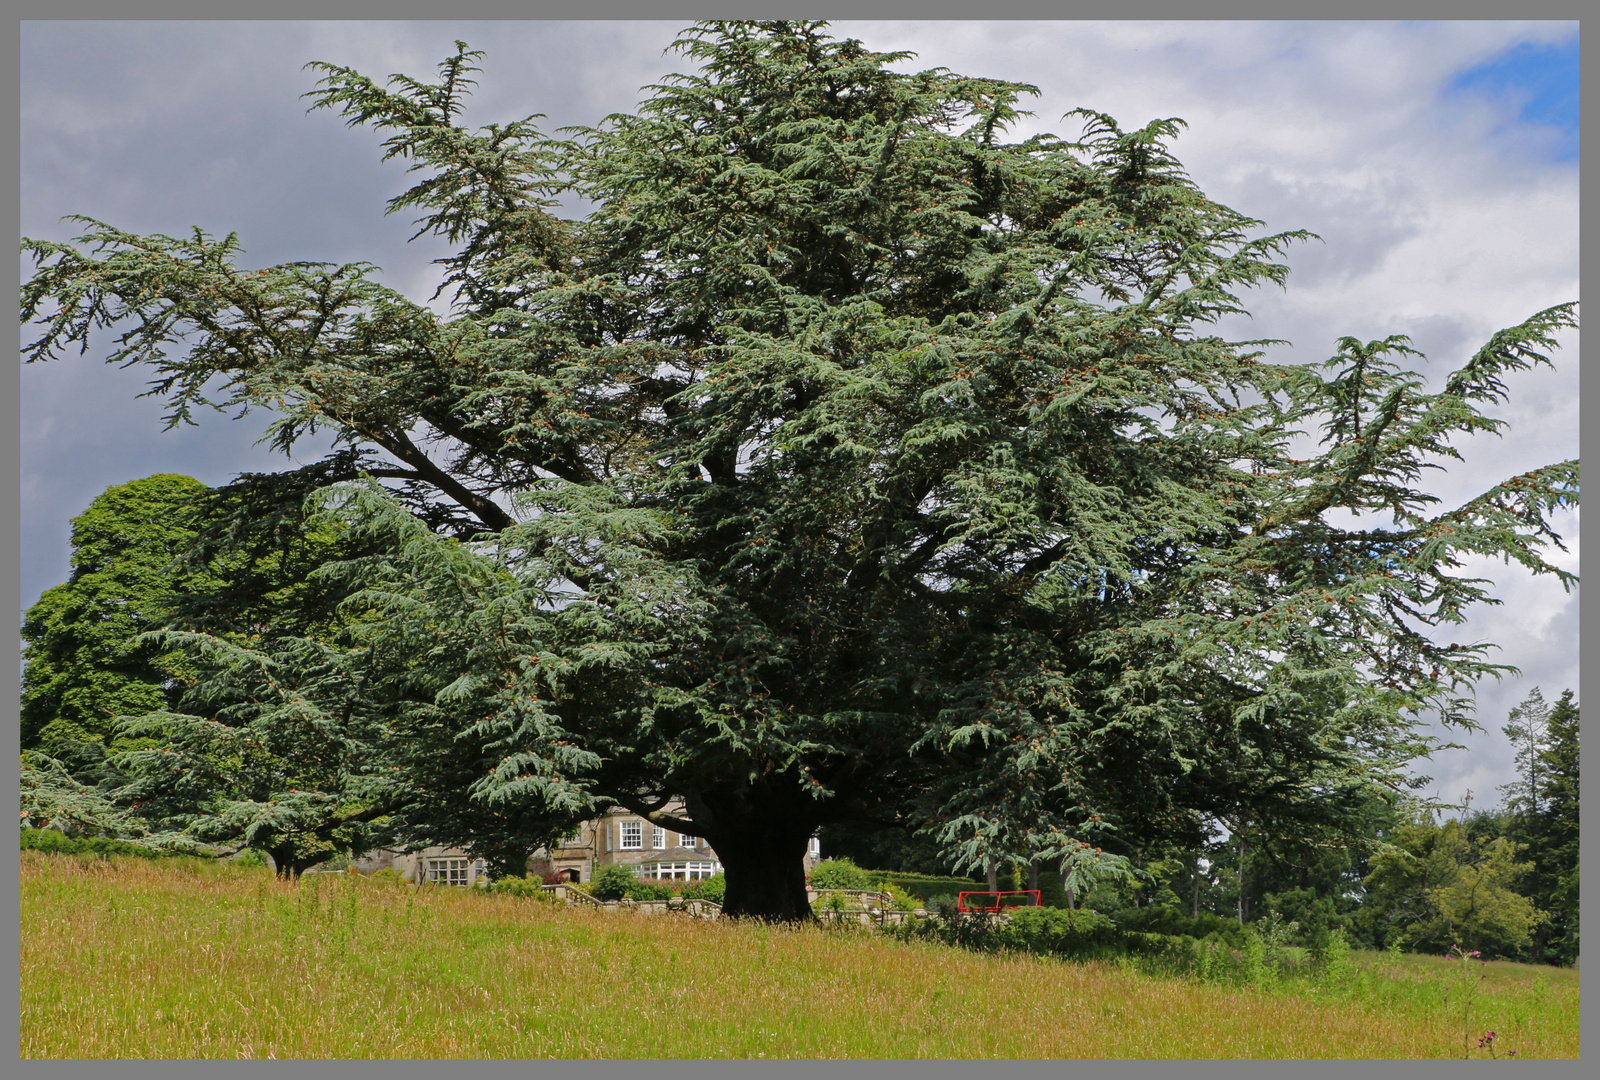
(1431, 227)
(161, 127)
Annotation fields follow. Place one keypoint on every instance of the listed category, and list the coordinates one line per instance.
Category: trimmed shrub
(1052, 892)
(841, 873)
(922, 886)
(611, 883)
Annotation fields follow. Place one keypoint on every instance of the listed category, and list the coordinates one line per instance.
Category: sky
(1438, 162)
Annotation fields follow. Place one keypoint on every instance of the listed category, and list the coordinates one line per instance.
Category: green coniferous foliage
(289, 739)
(1528, 728)
(850, 463)
(1540, 815)
(84, 665)
(1556, 852)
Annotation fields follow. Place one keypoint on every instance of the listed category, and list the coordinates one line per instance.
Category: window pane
(658, 837)
(449, 871)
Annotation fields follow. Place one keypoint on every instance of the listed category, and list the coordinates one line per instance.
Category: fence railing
(565, 892)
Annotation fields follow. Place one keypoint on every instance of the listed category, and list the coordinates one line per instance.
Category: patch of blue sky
(1538, 80)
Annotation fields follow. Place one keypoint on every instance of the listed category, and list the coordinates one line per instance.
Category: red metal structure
(1001, 900)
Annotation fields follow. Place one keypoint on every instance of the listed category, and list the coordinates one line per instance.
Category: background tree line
(1419, 877)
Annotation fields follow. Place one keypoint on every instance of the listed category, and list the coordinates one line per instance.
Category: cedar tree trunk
(760, 830)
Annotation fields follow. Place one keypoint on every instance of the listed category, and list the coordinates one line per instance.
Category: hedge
(55, 842)
(923, 886)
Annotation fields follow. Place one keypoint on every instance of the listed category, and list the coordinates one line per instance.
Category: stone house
(617, 837)
(438, 865)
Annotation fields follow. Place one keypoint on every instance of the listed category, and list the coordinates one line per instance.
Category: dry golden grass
(130, 958)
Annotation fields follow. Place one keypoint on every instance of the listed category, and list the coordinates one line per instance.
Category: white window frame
(632, 835)
(450, 870)
(693, 870)
(685, 840)
(658, 838)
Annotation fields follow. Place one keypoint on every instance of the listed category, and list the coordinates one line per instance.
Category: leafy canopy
(849, 462)
(84, 669)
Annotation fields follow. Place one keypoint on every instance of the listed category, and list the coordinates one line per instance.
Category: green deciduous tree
(849, 463)
(84, 665)
(1437, 887)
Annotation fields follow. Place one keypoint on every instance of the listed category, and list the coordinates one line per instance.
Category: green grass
(125, 958)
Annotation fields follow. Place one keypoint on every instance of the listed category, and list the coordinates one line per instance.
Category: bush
(618, 882)
(841, 873)
(531, 888)
(252, 858)
(1175, 922)
(902, 900)
(1311, 911)
(1276, 937)
(54, 842)
(611, 883)
(1061, 932)
(1052, 891)
(1072, 935)
(643, 889)
(942, 904)
(713, 888)
(1334, 966)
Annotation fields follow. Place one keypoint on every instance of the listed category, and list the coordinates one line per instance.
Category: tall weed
(132, 958)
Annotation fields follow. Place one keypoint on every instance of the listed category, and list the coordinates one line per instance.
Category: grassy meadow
(130, 958)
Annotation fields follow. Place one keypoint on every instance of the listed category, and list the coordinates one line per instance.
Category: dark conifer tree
(850, 463)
